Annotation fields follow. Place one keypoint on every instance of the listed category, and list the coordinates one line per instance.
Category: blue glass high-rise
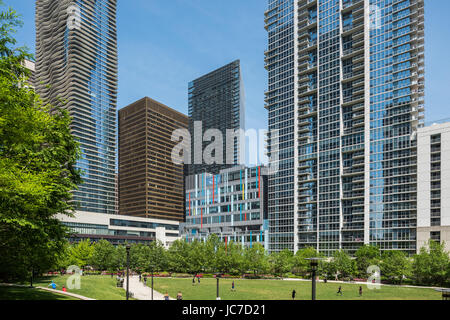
(76, 63)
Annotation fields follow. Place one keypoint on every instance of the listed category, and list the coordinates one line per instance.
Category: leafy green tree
(102, 256)
(281, 262)
(156, 258)
(235, 256)
(81, 254)
(119, 258)
(301, 265)
(196, 258)
(431, 266)
(221, 259)
(343, 264)
(256, 259)
(138, 254)
(210, 250)
(366, 256)
(37, 166)
(178, 256)
(395, 265)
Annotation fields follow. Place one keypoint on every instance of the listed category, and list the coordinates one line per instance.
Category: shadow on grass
(18, 293)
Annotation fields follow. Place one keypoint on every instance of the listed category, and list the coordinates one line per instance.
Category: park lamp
(128, 270)
(314, 263)
(218, 276)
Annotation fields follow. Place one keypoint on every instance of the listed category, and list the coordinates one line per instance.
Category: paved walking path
(142, 292)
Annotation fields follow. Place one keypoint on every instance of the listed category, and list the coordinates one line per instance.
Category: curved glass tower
(76, 66)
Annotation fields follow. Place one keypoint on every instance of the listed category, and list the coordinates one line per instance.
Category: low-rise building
(119, 229)
(231, 204)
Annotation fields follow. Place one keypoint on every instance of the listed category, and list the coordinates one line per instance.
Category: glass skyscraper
(217, 100)
(76, 62)
(346, 88)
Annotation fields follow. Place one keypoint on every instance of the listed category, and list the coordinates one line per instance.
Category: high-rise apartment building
(346, 94)
(31, 66)
(433, 184)
(150, 183)
(76, 67)
(217, 100)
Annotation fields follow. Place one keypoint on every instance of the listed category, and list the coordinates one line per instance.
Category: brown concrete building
(150, 184)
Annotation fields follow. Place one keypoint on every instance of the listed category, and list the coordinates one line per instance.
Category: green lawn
(95, 287)
(19, 293)
(282, 290)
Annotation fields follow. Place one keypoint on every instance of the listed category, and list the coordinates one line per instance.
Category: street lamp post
(314, 264)
(217, 278)
(128, 270)
(152, 284)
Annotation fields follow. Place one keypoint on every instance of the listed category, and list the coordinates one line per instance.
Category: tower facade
(217, 101)
(150, 183)
(346, 90)
(433, 184)
(76, 67)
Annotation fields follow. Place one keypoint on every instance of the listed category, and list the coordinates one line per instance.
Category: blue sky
(164, 44)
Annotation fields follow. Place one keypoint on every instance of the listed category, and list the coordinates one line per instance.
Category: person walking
(360, 291)
(179, 296)
(340, 291)
(64, 289)
(145, 280)
(198, 279)
(232, 286)
(166, 296)
(293, 294)
(140, 277)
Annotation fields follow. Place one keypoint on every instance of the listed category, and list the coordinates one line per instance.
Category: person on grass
(53, 285)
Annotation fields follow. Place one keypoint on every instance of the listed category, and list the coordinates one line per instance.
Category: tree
(138, 253)
(281, 262)
(177, 255)
(37, 166)
(81, 254)
(156, 260)
(196, 259)
(366, 256)
(256, 259)
(119, 258)
(102, 256)
(343, 264)
(235, 257)
(431, 266)
(300, 263)
(395, 265)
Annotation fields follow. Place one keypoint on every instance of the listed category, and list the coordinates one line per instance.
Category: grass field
(95, 287)
(104, 288)
(19, 293)
(282, 290)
